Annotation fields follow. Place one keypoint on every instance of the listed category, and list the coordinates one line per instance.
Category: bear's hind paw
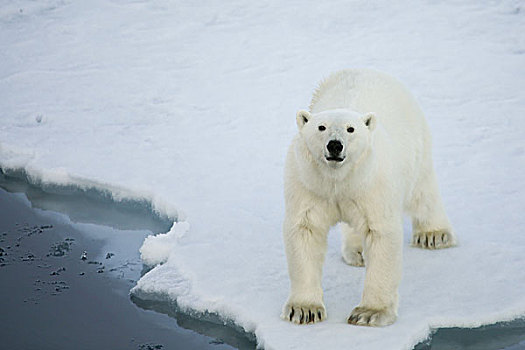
(354, 258)
(303, 314)
(364, 316)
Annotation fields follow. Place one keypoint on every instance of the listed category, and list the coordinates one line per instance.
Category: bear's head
(337, 139)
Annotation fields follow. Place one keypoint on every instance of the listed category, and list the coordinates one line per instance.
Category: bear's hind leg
(431, 228)
(352, 248)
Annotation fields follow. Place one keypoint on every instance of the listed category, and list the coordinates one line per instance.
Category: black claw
(301, 319)
(291, 314)
(319, 315)
(418, 240)
(312, 317)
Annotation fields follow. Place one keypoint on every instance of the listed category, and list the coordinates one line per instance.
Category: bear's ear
(302, 118)
(370, 121)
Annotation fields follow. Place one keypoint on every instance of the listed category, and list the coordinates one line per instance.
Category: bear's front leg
(305, 246)
(383, 260)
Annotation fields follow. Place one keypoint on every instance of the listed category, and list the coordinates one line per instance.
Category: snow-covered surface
(191, 105)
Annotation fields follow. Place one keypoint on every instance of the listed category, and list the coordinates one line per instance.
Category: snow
(191, 106)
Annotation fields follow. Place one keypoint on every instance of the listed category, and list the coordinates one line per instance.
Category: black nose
(334, 147)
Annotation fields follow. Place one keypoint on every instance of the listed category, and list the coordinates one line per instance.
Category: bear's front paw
(303, 314)
(364, 316)
(434, 239)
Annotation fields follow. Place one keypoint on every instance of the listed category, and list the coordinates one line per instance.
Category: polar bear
(362, 157)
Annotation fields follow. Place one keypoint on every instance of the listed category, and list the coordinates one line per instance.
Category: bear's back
(367, 90)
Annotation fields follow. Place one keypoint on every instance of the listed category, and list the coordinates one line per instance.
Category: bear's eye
(322, 128)
(350, 130)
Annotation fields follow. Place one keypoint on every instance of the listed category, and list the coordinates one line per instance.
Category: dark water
(504, 335)
(52, 299)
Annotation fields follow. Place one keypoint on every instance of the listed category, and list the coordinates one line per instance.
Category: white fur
(387, 170)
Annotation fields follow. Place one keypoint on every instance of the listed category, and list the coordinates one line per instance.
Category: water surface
(51, 298)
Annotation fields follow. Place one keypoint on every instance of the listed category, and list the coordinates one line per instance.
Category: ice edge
(158, 206)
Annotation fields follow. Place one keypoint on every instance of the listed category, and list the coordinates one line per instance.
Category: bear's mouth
(335, 159)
